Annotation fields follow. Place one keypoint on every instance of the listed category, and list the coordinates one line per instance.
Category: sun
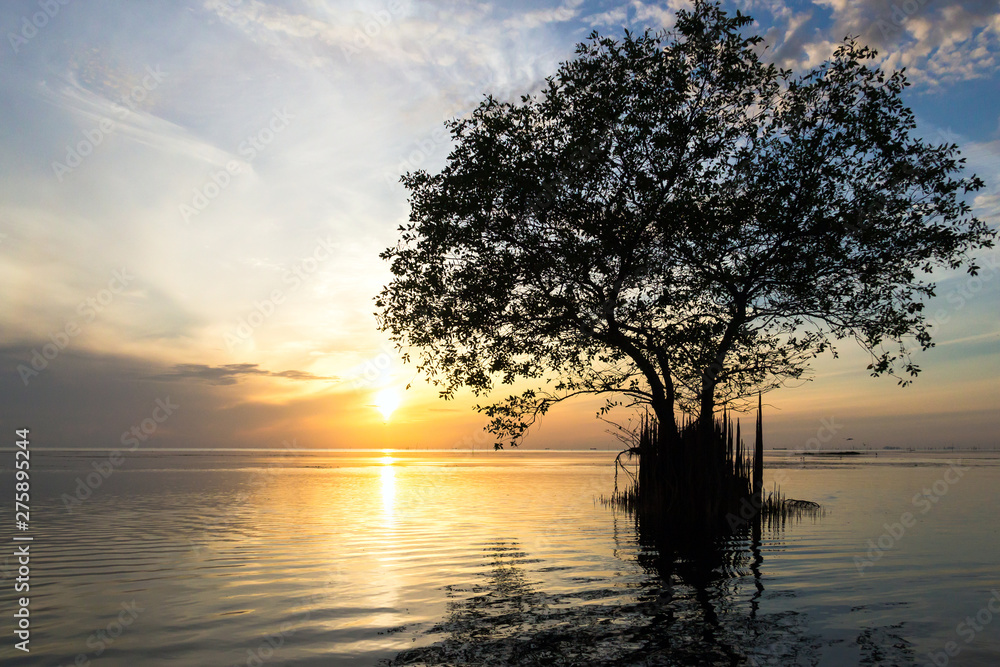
(386, 402)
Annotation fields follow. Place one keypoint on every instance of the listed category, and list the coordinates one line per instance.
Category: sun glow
(386, 402)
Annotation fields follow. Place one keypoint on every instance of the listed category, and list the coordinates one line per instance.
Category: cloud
(232, 373)
(420, 48)
(89, 400)
(991, 337)
(565, 12)
(640, 15)
(120, 108)
(798, 32)
(987, 207)
(656, 15)
(937, 42)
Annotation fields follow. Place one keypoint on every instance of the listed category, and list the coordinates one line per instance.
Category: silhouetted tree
(673, 222)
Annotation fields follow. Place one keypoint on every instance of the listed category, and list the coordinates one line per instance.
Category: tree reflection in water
(698, 604)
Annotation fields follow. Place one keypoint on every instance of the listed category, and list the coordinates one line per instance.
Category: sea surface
(404, 557)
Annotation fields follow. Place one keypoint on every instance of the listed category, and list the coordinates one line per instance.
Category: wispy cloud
(228, 374)
(567, 11)
(139, 124)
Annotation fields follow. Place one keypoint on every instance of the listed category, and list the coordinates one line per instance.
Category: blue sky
(199, 192)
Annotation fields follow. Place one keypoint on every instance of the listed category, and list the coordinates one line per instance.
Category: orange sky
(194, 200)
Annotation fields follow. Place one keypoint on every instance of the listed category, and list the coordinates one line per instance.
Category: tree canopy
(674, 222)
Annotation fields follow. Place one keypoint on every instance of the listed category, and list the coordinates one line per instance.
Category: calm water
(494, 558)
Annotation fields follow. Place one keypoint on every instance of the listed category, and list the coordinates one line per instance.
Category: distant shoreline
(484, 450)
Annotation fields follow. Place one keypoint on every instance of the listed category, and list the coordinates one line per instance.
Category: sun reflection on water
(388, 484)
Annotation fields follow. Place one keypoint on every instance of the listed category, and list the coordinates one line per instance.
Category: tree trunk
(710, 378)
(707, 405)
(663, 410)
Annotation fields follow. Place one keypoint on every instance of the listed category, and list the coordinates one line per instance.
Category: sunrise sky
(193, 196)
